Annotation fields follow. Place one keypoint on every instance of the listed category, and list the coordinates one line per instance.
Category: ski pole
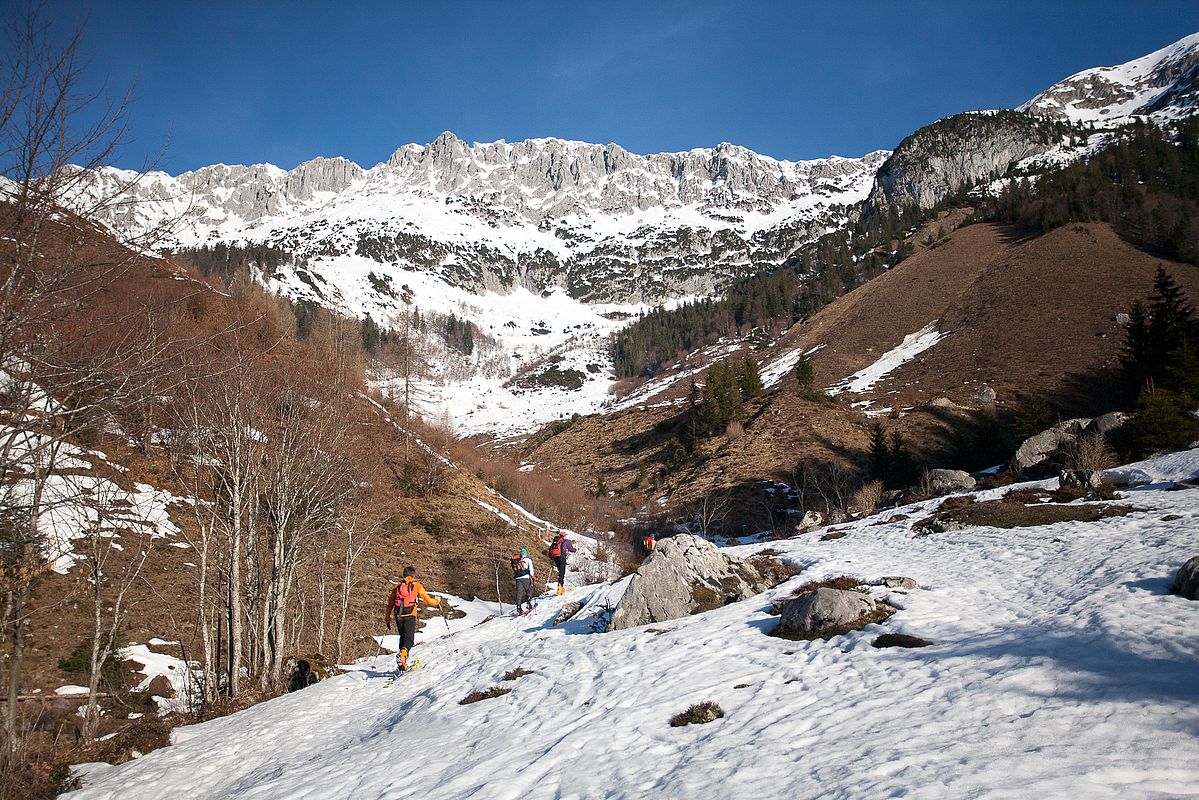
(498, 599)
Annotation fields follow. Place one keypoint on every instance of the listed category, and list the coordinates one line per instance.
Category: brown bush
(1066, 494)
(1026, 494)
(867, 498)
(486, 694)
(774, 570)
(957, 501)
(519, 672)
(698, 714)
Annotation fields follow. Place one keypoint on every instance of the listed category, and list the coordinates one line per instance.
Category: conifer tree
(748, 378)
(879, 452)
(1170, 318)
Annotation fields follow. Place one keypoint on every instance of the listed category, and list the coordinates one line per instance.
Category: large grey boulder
(684, 575)
(1037, 449)
(1106, 423)
(1186, 582)
(949, 480)
(827, 612)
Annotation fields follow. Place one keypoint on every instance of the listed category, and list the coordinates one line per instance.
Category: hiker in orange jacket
(402, 603)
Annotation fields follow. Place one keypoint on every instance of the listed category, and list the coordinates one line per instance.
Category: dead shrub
(1089, 451)
(1027, 494)
(486, 694)
(1066, 494)
(514, 674)
(774, 570)
(957, 501)
(38, 768)
(867, 497)
(698, 714)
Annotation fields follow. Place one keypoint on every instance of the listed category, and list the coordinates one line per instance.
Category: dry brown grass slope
(1027, 315)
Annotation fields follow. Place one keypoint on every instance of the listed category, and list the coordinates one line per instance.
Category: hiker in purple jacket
(560, 549)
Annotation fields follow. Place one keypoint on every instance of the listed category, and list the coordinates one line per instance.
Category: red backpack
(406, 598)
(518, 565)
(556, 546)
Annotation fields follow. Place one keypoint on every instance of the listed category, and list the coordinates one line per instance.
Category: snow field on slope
(1060, 668)
(912, 345)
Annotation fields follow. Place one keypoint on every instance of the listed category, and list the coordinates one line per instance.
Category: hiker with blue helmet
(524, 574)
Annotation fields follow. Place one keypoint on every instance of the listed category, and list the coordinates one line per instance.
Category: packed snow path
(1061, 668)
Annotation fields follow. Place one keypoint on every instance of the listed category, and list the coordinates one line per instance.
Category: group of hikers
(402, 602)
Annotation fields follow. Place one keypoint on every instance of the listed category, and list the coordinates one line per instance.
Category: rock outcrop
(825, 612)
(1036, 450)
(1085, 479)
(949, 480)
(940, 159)
(1186, 582)
(684, 575)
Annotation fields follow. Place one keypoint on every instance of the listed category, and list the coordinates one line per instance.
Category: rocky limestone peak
(1164, 83)
(940, 159)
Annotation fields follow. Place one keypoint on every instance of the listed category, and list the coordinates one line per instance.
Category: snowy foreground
(1061, 668)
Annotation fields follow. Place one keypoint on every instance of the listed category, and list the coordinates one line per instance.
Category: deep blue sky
(244, 82)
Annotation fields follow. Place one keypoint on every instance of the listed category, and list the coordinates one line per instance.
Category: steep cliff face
(940, 159)
(1163, 85)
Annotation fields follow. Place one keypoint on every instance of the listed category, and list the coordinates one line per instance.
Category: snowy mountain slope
(1163, 84)
(1060, 667)
(595, 220)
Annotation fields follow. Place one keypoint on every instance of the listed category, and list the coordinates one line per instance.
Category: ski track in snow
(1061, 668)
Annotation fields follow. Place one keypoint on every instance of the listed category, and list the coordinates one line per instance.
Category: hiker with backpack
(402, 603)
(524, 575)
(648, 543)
(560, 550)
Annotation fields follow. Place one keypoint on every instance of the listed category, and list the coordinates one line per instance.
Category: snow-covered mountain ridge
(1163, 85)
(594, 220)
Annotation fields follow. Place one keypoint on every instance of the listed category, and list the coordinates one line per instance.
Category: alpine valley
(883, 469)
(549, 246)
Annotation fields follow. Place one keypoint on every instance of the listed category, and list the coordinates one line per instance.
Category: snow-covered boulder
(949, 480)
(1186, 582)
(827, 612)
(684, 575)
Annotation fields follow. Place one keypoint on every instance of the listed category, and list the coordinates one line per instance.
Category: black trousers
(406, 627)
(560, 563)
